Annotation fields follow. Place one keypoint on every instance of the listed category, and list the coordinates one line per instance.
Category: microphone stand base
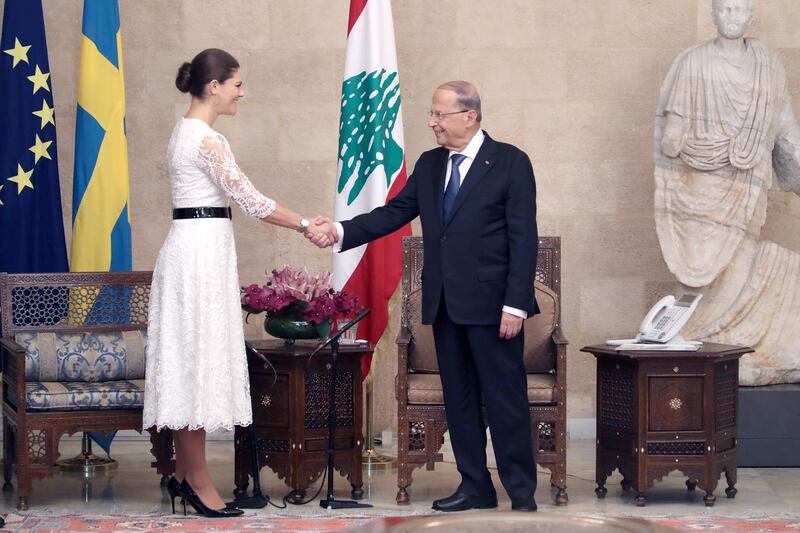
(342, 504)
(256, 501)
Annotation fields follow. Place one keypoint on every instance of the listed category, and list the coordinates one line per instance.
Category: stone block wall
(572, 82)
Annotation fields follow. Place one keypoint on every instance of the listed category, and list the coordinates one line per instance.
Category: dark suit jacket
(484, 256)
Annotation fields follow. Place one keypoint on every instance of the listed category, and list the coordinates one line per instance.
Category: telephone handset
(661, 325)
(666, 318)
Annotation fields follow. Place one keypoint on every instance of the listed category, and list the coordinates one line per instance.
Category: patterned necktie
(453, 185)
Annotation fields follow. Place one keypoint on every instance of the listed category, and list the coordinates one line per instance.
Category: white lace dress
(196, 374)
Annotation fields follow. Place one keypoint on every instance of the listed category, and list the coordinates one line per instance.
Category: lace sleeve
(216, 160)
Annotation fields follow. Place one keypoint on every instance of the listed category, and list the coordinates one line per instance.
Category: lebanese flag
(371, 168)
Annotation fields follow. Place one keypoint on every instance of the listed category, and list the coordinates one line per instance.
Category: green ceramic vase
(289, 324)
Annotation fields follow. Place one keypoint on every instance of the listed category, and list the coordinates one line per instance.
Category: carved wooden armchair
(420, 405)
(73, 360)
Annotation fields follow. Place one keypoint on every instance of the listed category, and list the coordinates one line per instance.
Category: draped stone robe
(731, 123)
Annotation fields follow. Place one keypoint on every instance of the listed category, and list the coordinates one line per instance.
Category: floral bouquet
(297, 295)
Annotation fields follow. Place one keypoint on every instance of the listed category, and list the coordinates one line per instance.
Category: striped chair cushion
(83, 357)
(77, 396)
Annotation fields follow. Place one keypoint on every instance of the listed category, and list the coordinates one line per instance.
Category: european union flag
(31, 227)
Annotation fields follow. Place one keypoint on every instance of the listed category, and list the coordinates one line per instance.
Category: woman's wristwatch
(303, 226)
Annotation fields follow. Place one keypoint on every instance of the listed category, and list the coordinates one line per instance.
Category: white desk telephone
(661, 325)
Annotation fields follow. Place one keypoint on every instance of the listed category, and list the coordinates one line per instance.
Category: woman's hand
(322, 232)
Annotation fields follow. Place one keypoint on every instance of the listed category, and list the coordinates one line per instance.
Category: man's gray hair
(466, 95)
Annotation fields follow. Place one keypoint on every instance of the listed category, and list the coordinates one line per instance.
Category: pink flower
(249, 294)
(345, 302)
(320, 309)
(289, 285)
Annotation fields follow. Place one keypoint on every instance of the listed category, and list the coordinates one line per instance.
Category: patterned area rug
(728, 523)
(29, 522)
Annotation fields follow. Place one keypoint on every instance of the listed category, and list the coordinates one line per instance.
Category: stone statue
(724, 123)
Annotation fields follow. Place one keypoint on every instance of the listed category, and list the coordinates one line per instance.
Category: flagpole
(370, 458)
(371, 171)
(92, 250)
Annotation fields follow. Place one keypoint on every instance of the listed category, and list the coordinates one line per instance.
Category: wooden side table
(291, 417)
(659, 411)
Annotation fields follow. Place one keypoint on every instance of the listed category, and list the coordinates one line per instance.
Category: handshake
(322, 232)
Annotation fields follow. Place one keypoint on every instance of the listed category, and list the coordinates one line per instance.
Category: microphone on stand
(330, 502)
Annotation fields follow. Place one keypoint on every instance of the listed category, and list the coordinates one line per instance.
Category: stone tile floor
(133, 488)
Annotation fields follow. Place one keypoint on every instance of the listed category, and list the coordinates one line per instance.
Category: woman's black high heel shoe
(190, 496)
(174, 490)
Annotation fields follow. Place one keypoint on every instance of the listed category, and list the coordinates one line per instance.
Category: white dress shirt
(469, 153)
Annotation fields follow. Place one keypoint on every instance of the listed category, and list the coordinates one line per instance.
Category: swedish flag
(101, 230)
(31, 225)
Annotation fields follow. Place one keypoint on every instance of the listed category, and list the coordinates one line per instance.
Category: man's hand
(509, 325)
(322, 232)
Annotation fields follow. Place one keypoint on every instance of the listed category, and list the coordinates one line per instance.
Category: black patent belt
(201, 212)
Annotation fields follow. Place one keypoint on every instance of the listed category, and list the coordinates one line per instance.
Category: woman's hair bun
(184, 79)
(210, 64)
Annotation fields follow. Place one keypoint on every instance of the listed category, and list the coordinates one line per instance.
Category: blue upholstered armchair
(83, 371)
(73, 351)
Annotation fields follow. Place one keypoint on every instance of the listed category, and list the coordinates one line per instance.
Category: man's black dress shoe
(525, 505)
(463, 502)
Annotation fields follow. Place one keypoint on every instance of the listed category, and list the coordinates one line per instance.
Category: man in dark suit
(476, 198)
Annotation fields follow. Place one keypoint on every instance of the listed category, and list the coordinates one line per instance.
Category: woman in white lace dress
(196, 376)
